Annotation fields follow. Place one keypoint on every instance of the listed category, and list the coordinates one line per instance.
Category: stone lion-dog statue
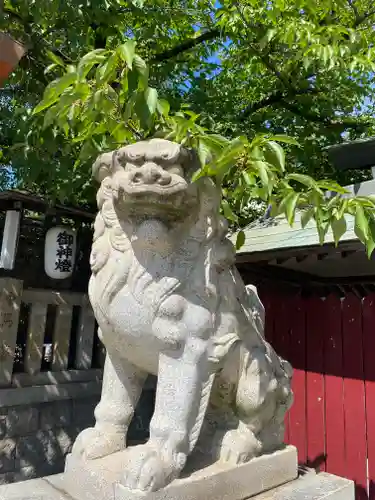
(169, 302)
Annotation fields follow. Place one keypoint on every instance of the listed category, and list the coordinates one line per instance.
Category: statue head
(150, 179)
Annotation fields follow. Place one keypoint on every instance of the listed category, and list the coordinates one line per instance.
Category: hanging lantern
(60, 252)
(11, 52)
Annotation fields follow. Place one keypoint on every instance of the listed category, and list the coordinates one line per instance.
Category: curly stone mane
(203, 243)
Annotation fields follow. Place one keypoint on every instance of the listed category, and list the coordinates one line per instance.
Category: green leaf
(361, 227)
(249, 179)
(331, 186)
(227, 211)
(261, 168)
(55, 58)
(50, 68)
(306, 180)
(142, 68)
(151, 96)
(290, 204)
(227, 159)
(306, 216)
(343, 209)
(54, 90)
(163, 107)
(106, 71)
(371, 239)
(267, 38)
(87, 62)
(50, 116)
(142, 110)
(322, 227)
(338, 229)
(127, 52)
(286, 139)
(137, 3)
(129, 107)
(274, 155)
(204, 152)
(240, 239)
(215, 143)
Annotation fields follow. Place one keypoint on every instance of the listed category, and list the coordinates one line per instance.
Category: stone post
(10, 302)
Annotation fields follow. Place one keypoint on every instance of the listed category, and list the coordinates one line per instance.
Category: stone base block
(34, 489)
(101, 479)
(310, 487)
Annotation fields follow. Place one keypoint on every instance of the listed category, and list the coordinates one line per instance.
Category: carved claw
(93, 443)
(148, 470)
(236, 447)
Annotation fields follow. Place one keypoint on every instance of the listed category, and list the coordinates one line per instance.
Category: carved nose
(151, 174)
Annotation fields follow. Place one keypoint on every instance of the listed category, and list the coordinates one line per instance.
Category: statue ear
(103, 167)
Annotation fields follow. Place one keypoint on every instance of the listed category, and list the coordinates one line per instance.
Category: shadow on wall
(34, 440)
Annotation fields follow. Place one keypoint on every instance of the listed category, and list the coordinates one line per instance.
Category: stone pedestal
(101, 479)
(310, 487)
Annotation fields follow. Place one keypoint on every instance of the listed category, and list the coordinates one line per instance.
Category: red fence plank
(354, 395)
(334, 387)
(315, 384)
(281, 341)
(368, 308)
(297, 414)
(268, 302)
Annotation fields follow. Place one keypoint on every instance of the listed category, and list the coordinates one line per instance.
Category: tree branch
(267, 61)
(363, 18)
(275, 98)
(186, 45)
(325, 120)
(28, 30)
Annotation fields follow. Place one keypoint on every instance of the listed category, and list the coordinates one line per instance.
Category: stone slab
(308, 487)
(313, 487)
(34, 489)
(100, 479)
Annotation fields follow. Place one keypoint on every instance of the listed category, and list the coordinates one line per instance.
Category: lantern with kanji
(60, 252)
(11, 52)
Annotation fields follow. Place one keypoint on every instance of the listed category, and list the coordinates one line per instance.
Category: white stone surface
(85, 338)
(309, 487)
(46, 393)
(61, 337)
(10, 303)
(313, 487)
(100, 479)
(169, 302)
(35, 338)
(35, 489)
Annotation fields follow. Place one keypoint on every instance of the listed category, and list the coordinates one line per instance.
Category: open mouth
(146, 190)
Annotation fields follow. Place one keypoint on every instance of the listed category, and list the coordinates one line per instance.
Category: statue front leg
(183, 390)
(122, 386)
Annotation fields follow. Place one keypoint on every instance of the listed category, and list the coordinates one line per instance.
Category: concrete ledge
(313, 487)
(49, 378)
(310, 487)
(35, 489)
(100, 479)
(46, 393)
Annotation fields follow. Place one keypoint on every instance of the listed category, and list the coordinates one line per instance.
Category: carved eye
(175, 170)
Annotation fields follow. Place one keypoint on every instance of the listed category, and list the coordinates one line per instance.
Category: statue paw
(236, 447)
(94, 443)
(148, 469)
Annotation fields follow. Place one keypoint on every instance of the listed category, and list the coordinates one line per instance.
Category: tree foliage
(232, 80)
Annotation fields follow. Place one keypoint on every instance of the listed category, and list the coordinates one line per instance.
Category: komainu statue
(170, 302)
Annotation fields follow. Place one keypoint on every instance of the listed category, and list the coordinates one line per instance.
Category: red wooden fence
(331, 345)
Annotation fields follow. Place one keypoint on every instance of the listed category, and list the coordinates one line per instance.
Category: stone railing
(51, 366)
(49, 385)
(12, 296)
